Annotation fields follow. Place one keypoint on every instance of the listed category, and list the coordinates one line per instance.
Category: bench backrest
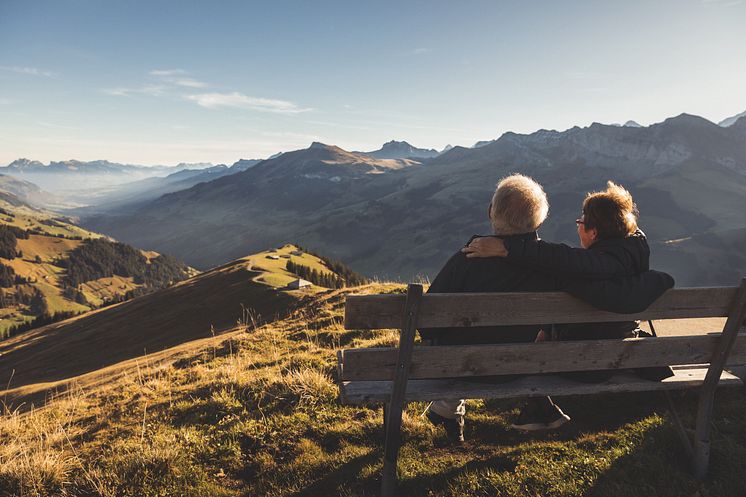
(495, 309)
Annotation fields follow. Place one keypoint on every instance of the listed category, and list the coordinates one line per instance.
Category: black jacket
(493, 274)
(612, 275)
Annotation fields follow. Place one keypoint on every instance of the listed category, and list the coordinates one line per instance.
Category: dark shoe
(540, 419)
(454, 427)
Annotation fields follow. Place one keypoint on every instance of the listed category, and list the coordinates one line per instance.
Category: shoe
(454, 427)
(548, 418)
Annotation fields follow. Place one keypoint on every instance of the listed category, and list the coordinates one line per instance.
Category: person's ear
(593, 232)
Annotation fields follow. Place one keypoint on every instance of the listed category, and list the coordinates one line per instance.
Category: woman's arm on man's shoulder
(564, 261)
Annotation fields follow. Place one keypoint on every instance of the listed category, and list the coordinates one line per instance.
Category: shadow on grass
(659, 466)
(330, 483)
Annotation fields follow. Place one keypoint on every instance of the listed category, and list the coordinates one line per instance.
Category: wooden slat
(376, 392)
(535, 358)
(446, 310)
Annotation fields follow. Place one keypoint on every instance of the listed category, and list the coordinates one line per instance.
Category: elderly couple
(610, 271)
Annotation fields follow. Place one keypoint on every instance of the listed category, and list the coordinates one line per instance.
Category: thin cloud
(31, 71)
(177, 77)
(189, 83)
(151, 90)
(167, 72)
(241, 101)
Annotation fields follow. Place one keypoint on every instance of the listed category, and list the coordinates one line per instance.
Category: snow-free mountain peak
(401, 150)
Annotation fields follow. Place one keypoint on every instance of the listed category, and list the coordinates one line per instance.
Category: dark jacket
(462, 274)
(612, 275)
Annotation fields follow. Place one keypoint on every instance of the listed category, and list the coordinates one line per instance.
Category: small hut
(298, 284)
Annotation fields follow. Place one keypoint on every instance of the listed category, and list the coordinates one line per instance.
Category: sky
(162, 82)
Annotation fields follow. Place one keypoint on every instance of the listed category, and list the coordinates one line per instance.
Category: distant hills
(20, 192)
(397, 218)
(50, 267)
(91, 167)
(63, 177)
(137, 192)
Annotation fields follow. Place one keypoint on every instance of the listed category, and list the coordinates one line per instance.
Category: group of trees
(72, 293)
(34, 300)
(93, 259)
(100, 258)
(8, 277)
(9, 236)
(40, 320)
(327, 280)
(343, 272)
(350, 277)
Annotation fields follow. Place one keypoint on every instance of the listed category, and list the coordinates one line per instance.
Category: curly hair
(612, 212)
(519, 205)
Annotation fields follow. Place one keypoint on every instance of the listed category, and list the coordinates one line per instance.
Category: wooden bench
(393, 376)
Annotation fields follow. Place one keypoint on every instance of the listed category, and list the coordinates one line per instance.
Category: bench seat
(377, 392)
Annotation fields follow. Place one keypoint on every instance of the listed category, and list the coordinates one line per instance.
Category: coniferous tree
(38, 304)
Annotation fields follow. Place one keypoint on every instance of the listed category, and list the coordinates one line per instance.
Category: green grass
(255, 414)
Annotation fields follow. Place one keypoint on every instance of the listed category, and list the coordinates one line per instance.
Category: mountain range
(64, 177)
(401, 218)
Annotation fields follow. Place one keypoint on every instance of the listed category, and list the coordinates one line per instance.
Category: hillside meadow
(253, 412)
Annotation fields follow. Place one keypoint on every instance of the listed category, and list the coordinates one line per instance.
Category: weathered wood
(392, 442)
(534, 358)
(736, 317)
(376, 392)
(493, 309)
(340, 364)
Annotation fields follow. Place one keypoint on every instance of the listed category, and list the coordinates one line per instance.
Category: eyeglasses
(579, 221)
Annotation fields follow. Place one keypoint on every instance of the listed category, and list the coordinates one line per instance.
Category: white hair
(519, 205)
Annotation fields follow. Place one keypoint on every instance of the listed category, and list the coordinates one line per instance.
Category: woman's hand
(486, 246)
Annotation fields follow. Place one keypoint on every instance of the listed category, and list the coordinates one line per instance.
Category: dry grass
(254, 412)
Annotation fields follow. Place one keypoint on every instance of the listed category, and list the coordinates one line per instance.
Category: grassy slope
(254, 412)
(44, 275)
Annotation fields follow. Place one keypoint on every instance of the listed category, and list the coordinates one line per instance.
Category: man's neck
(533, 235)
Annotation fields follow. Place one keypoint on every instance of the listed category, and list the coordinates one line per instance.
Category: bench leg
(392, 424)
(701, 458)
(736, 318)
(396, 405)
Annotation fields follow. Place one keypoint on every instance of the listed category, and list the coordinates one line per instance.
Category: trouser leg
(450, 409)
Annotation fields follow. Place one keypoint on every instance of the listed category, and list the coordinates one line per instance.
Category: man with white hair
(519, 206)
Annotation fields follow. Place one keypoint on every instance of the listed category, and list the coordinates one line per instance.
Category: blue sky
(156, 82)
